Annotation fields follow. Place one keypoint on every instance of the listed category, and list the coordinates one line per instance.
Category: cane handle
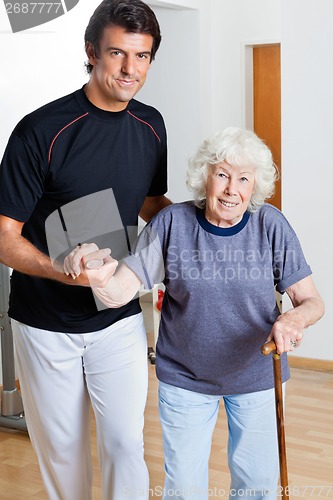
(268, 348)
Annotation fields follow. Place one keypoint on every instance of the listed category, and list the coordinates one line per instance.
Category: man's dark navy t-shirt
(65, 151)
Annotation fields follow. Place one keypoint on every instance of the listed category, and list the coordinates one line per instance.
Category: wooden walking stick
(270, 347)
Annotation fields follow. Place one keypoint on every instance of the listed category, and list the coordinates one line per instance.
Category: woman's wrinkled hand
(287, 331)
(87, 260)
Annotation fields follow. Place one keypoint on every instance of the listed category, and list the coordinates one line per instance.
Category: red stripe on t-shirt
(142, 121)
(56, 137)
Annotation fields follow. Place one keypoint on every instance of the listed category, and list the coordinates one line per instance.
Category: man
(95, 141)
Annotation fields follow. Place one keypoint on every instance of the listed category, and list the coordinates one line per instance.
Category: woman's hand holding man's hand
(88, 261)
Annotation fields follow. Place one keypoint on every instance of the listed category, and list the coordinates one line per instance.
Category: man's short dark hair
(134, 16)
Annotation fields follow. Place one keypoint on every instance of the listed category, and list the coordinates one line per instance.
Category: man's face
(120, 69)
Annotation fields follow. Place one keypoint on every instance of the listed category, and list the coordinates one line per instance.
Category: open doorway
(263, 101)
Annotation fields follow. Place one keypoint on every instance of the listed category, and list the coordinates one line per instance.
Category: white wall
(307, 147)
(173, 86)
(235, 23)
(40, 64)
(175, 4)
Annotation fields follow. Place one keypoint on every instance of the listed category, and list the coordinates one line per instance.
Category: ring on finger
(293, 343)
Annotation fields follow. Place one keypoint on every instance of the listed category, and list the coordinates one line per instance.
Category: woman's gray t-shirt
(220, 298)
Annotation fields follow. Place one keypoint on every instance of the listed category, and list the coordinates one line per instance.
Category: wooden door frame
(247, 79)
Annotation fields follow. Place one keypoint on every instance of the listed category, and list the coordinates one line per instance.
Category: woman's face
(228, 193)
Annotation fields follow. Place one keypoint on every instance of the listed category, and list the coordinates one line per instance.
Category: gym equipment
(158, 295)
(12, 414)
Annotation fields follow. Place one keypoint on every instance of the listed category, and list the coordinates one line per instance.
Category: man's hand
(89, 261)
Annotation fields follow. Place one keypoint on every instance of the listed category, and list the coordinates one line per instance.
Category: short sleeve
(21, 179)
(290, 265)
(159, 184)
(147, 259)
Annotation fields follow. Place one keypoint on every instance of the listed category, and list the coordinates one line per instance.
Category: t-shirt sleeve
(21, 179)
(159, 184)
(289, 263)
(292, 268)
(147, 259)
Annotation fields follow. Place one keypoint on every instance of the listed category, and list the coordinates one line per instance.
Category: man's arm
(152, 205)
(114, 286)
(18, 253)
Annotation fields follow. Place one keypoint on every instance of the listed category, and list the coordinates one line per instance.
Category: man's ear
(90, 51)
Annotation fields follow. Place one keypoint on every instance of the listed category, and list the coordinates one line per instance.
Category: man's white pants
(59, 374)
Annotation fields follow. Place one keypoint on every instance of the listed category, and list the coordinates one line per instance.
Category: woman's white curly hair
(240, 148)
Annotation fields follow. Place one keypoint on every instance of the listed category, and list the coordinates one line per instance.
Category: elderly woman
(221, 259)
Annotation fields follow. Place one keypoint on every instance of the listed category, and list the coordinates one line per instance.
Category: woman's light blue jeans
(188, 420)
